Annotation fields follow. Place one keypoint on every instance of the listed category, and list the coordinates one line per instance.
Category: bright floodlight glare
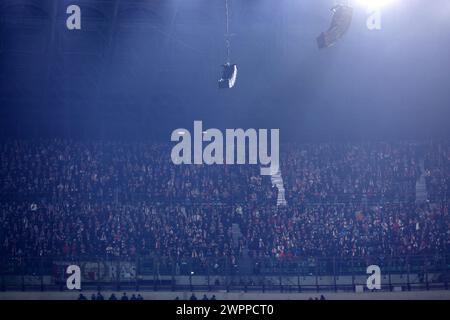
(375, 3)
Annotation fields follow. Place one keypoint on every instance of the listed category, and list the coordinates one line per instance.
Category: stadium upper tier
(316, 173)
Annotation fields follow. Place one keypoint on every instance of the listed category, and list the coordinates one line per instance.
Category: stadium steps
(236, 234)
(421, 187)
(244, 261)
(277, 180)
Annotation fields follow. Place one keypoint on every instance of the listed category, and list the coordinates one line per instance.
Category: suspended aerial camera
(342, 19)
(229, 71)
(229, 74)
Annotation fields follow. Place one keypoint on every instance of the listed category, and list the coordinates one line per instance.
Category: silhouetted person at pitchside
(124, 297)
(193, 297)
(213, 297)
(100, 296)
(139, 297)
(113, 297)
(81, 297)
(93, 297)
(205, 297)
(133, 297)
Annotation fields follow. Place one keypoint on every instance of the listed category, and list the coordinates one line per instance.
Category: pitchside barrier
(229, 274)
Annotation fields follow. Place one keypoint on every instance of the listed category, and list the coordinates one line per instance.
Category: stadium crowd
(349, 230)
(74, 199)
(350, 172)
(120, 171)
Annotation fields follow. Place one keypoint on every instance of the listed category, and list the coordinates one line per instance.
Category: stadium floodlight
(229, 74)
(342, 19)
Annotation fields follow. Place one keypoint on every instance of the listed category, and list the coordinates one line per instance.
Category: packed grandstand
(84, 201)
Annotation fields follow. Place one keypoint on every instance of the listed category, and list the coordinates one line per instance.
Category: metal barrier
(227, 273)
